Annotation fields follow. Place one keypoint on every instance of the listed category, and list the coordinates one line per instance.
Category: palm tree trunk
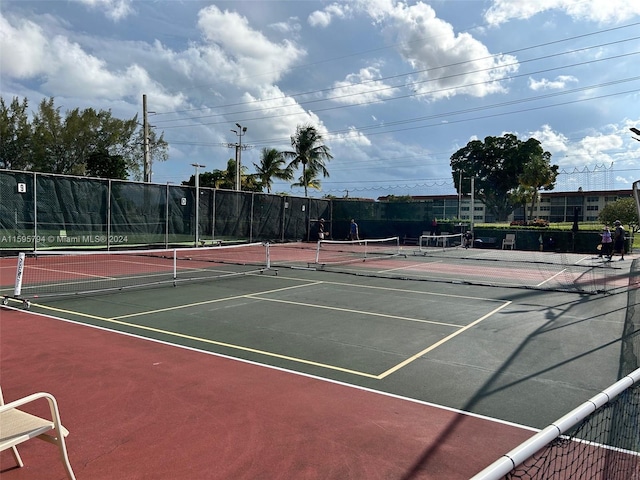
(304, 177)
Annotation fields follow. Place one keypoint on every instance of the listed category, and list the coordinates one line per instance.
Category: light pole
(240, 133)
(197, 199)
(636, 131)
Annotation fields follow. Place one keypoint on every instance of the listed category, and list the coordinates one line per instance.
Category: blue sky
(394, 87)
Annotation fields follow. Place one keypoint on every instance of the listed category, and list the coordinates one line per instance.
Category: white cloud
(290, 27)
(552, 141)
(114, 9)
(233, 43)
(319, 19)
(447, 64)
(66, 69)
(323, 18)
(352, 138)
(598, 11)
(546, 84)
(23, 48)
(362, 87)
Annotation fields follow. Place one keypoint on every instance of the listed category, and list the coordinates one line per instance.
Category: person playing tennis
(353, 230)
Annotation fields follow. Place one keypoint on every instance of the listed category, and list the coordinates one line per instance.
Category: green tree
(624, 210)
(309, 179)
(101, 164)
(496, 166)
(226, 179)
(57, 143)
(399, 199)
(522, 196)
(134, 151)
(538, 173)
(272, 165)
(15, 135)
(310, 152)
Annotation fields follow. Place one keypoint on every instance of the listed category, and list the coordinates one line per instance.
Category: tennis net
(55, 273)
(429, 243)
(599, 439)
(340, 252)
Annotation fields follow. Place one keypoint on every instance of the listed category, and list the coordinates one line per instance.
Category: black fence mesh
(39, 211)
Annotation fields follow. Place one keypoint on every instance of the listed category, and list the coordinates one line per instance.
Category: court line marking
(349, 310)
(392, 289)
(215, 342)
(414, 265)
(441, 342)
(286, 370)
(118, 321)
(206, 302)
(551, 277)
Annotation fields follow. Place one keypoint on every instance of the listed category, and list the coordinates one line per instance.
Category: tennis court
(415, 364)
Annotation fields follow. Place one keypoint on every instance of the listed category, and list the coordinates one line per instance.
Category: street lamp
(240, 133)
(636, 131)
(197, 199)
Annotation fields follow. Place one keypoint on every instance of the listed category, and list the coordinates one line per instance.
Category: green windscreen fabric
(40, 211)
(137, 214)
(17, 210)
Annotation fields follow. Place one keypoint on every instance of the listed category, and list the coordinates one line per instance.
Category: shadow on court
(307, 374)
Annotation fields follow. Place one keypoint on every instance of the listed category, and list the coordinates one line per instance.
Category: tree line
(80, 142)
(308, 151)
(507, 172)
(96, 144)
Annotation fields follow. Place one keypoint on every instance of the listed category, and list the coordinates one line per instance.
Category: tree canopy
(500, 165)
(272, 165)
(311, 153)
(80, 142)
(624, 210)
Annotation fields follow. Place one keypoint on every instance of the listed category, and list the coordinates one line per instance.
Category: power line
(328, 89)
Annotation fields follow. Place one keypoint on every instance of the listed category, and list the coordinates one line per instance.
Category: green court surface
(519, 355)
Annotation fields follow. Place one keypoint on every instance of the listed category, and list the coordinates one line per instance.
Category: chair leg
(17, 457)
(65, 459)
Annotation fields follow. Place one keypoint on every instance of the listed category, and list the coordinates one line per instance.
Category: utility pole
(145, 132)
(238, 146)
(240, 133)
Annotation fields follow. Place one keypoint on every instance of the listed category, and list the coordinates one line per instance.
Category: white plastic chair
(17, 426)
(509, 241)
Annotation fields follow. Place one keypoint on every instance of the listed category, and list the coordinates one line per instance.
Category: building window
(592, 207)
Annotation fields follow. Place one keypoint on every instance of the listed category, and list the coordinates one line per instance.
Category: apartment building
(553, 207)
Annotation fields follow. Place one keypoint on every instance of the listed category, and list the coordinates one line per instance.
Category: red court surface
(139, 409)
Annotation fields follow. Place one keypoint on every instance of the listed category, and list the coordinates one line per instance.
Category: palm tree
(310, 152)
(272, 164)
(309, 180)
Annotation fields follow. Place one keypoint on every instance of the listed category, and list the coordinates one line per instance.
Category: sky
(395, 88)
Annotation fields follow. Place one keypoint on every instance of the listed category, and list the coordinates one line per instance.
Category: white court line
(288, 371)
(441, 342)
(552, 277)
(407, 267)
(349, 310)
